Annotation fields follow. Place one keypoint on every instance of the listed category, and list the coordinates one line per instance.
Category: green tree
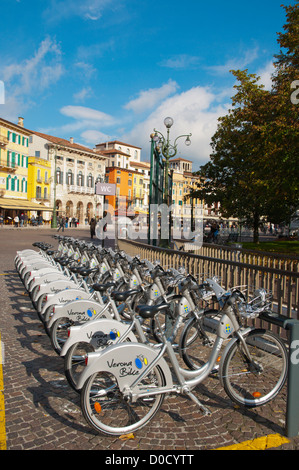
(253, 170)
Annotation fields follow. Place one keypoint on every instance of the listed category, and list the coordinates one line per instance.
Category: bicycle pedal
(204, 409)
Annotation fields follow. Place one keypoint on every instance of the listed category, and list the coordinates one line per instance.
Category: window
(118, 180)
(38, 192)
(46, 177)
(90, 181)
(129, 182)
(59, 176)
(69, 177)
(80, 181)
(39, 178)
(45, 193)
(37, 153)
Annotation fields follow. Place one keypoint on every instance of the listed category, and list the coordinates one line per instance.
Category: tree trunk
(256, 221)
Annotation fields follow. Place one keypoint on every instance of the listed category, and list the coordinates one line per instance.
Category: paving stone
(43, 413)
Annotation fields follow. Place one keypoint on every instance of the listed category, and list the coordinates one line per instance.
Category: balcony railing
(80, 189)
(8, 166)
(3, 141)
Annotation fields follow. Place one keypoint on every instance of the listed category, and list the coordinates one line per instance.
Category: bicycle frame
(131, 362)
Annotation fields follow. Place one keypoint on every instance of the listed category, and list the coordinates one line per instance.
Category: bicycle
(124, 386)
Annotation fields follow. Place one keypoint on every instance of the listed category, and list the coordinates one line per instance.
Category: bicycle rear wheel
(59, 333)
(255, 381)
(106, 410)
(74, 362)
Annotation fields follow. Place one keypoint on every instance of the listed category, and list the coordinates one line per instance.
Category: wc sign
(2, 93)
(105, 189)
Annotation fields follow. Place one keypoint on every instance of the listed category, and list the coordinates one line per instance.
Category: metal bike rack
(292, 411)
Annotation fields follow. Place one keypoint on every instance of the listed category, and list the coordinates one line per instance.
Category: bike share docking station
(292, 411)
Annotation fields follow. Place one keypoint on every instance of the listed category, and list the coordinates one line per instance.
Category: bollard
(292, 412)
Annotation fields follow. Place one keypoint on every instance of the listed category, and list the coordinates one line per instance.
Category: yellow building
(39, 178)
(183, 182)
(14, 184)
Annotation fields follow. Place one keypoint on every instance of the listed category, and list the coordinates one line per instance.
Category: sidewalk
(42, 412)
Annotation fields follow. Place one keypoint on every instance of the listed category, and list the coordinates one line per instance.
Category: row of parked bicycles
(131, 332)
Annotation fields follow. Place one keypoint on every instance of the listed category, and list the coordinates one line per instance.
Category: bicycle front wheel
(256, 379)
(106, 410)
(197, 340)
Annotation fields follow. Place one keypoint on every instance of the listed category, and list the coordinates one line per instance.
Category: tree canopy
(253, 168)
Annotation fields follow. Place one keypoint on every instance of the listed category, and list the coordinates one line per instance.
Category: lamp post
(168, 151)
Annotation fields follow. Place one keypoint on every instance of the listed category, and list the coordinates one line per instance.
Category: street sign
(105, 189)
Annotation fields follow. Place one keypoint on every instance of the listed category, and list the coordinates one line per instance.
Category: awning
(140, 211)
(22, 204)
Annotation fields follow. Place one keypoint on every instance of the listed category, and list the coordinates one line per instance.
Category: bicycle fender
(47, 278)
(126, 361)
(37, 274)
(100, 333)
(79, 311)
(24, 269)
(64, 296)
(234, 339)
(53, 287)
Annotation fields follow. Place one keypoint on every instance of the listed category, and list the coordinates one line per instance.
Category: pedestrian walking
(61, 224)
(1, 220)
(92, 228)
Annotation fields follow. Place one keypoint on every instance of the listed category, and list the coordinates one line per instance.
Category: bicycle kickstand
(204, 409)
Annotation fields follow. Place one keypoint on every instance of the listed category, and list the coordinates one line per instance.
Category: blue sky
(99, 70)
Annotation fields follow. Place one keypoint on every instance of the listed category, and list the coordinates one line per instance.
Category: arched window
(80, 180)
(59, 176)
(8, 183)
(69, 177)
(90, 181)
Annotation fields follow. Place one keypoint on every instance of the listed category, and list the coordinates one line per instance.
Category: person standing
(92, 228)
(16, 220)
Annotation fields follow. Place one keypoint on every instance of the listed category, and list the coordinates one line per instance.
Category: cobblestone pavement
(42, 412)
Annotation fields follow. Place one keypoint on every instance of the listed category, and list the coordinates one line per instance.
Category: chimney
(21, 122)
(71, 140)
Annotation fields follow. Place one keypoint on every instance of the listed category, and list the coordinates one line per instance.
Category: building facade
(15, 192)
(74, 172)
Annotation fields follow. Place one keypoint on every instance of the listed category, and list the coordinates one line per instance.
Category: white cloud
(85, 69)
(150, 98)
(265, 75)
(28, 79)
(235, 63)
(81, 95)
(63, 9)
(181, 61)
(94, 137)
(194, 111)
(83, 113)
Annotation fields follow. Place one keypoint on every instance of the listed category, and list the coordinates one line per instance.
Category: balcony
(80, 189)
(3, 141)
(10, 167)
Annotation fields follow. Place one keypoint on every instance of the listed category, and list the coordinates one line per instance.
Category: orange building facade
(124, 180)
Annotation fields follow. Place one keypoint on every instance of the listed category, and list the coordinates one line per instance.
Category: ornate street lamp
(168, 150)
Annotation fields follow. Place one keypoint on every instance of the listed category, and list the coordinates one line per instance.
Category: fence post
(292, 412)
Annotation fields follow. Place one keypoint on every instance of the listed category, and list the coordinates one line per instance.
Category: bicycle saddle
(122, 296)
(103, 287)
(149, 311)
(86, 271)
